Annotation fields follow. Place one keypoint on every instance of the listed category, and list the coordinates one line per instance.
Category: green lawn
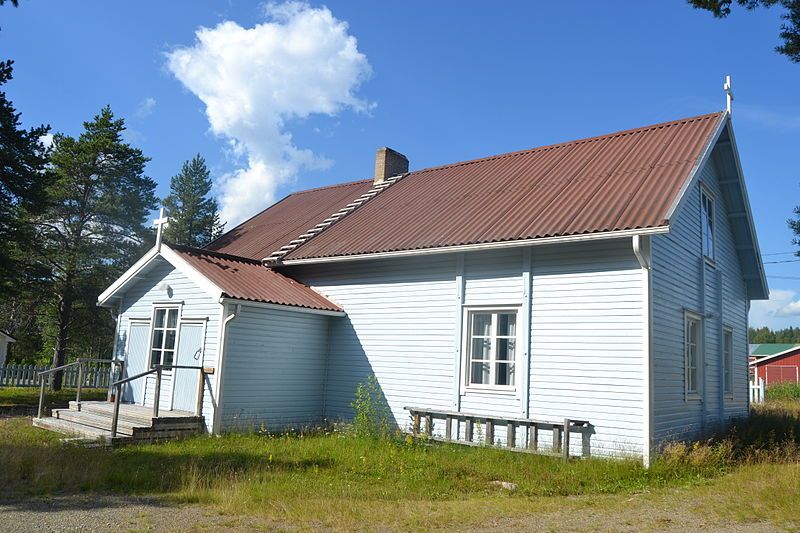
(29, 396)
(339, 480)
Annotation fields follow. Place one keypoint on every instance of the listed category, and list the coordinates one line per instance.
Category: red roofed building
(782, 367)
(604, 281)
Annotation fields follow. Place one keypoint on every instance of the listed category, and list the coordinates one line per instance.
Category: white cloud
(145, 108)
(780, 311)
(46, 140)
(253, 81)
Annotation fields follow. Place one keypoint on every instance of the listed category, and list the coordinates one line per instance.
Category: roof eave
(541, 241)
(280, 307)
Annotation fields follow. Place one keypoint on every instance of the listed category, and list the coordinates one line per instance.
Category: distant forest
(767, 336)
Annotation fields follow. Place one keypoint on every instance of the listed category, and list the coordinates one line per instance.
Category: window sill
(728, 397)
(710, 262)
(472, 389)
(694, 397)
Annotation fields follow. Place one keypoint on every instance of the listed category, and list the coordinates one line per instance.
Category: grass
(784, 391)
(29, 396)
(338, 480)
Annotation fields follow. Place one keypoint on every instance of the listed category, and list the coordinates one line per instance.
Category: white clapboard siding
(138, 304)
(677, 286)
(274, 369)
(403, 314)
(587, 344)
(399, 326)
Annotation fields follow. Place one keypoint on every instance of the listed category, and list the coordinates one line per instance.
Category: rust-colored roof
(266, 232)
(624, 180)
(247, 279)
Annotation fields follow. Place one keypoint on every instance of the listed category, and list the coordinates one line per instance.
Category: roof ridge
(221, 255)
(307, 235)
(333, 186)
(568, 143)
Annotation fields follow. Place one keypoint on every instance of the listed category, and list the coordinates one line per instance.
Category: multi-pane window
(727, 360)
(707, 222)
(492, 348)
(692, 347)
(165, 333)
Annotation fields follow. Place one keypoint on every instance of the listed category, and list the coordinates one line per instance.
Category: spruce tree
(22, 180)
(194, 215)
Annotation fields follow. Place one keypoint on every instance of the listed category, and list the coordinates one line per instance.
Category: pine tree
(194, 216)
(99, 200)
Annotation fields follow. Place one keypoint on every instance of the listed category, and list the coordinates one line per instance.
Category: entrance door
(136, 358)
(190, 353)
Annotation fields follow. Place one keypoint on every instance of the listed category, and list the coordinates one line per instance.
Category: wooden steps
(93, 420)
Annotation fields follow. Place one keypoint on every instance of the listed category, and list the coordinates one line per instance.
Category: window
(693, 327)
(165, 332)
(492, 347)
(727, 360)
(707, 212)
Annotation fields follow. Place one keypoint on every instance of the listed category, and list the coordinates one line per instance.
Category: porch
(135, 423)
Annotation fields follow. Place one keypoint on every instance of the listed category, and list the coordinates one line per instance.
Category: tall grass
(783, 391)
(347, 477)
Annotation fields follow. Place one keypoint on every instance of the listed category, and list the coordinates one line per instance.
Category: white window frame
(467, 350)
(708, 234)
(156, 307)
(693, 394)
(727, 361)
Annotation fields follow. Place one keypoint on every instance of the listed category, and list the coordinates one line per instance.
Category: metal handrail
(76, 362)
(49, 371)
(157, 369)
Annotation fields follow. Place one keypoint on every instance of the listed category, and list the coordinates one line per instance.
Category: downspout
(702, 364)
(642, 251)
(721, 333)
(115, 314)
(221, 366)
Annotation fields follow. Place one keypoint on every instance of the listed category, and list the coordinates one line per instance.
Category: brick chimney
(389, 163)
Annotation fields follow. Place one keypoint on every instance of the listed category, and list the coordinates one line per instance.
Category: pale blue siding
(273, 369)
(138, 303)
(683, 280)
(404, 318)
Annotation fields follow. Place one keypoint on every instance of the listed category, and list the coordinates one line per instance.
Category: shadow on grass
(58, 468)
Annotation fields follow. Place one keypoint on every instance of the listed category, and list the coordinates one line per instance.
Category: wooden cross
(161, 222)
(728, 93)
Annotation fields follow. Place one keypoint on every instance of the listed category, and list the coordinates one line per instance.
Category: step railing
(81, 364)
(561, 431)
(158, 370)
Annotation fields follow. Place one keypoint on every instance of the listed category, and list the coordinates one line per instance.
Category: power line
(784, 261)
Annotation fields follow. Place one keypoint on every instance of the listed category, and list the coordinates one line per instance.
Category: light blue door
(190, 353)
(136, 361)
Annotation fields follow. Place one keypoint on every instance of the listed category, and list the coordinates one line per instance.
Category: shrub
(784, 391)
(372, 415)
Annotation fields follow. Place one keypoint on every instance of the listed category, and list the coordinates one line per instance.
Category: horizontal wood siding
(399, 327)
(274, 371)
(403, 316)
(137, 304)
(587, 344)
(678, 274)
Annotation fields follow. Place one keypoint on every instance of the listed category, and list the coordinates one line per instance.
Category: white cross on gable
(160, 223)
(728, 93)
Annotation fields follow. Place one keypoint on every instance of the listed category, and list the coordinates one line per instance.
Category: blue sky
(310, 93)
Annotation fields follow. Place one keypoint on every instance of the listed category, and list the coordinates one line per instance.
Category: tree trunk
(60, 351)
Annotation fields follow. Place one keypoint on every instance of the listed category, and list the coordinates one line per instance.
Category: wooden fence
(94, 376)
(757, 391)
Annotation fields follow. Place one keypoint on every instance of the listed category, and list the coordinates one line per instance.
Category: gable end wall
(683, 280)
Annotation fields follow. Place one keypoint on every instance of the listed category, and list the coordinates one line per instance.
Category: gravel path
(90, 513)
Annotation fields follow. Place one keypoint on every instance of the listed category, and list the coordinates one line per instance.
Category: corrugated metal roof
(625, 180)
(248, 279)
(769, 349)
(274, 227)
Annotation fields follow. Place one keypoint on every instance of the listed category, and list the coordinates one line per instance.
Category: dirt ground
(89, 513)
